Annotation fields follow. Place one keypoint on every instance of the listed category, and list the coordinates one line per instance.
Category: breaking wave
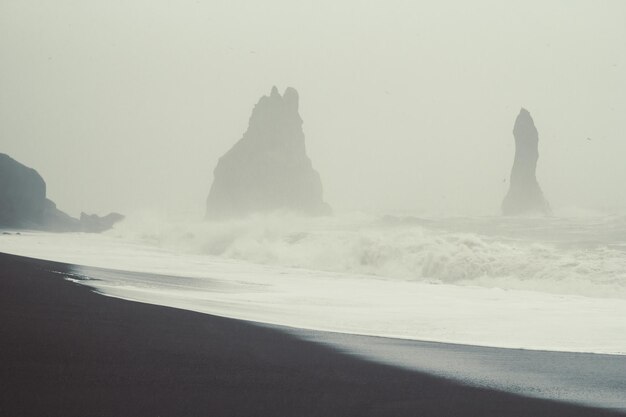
(583, 255)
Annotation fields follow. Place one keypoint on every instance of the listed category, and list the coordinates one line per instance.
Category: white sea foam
(577, 255)
(554, 284)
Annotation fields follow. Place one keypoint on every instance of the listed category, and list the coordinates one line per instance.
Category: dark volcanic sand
(67, 351)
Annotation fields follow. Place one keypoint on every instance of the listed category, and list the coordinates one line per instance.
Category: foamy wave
(585, 256)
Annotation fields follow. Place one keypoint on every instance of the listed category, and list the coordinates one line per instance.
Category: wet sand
(68, 351)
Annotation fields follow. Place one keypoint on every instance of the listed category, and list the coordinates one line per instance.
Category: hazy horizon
(123, 106)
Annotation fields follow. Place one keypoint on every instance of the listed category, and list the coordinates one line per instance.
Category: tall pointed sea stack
(525, 195)
(268, 168)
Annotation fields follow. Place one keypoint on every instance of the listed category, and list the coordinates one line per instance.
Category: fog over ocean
(128, 106)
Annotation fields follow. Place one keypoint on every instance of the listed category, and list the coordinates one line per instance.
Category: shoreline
(70, 351)
(353, 303)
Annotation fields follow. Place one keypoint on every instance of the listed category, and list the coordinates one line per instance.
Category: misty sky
(125, 105)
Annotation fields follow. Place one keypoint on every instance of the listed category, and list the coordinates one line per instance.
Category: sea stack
(268, 168)
(525, 195)
(23, 203)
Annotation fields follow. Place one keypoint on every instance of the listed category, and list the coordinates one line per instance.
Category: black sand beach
(67, 351)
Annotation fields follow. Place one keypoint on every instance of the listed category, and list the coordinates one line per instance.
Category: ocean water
(584, 255)
(555, 283)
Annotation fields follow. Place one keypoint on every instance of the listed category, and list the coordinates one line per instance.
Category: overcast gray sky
(123, 105)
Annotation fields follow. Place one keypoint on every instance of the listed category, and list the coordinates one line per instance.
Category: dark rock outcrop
(268, 169)
(22, 194)
(525, 195)
(95, 224)
(23, 203)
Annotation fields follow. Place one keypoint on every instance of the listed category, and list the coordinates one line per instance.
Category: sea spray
(482, 301)
(576, 255)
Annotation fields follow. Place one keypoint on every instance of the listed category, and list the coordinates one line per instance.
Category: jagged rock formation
(525, 195)
(268, 169)
(23, 203)
(96, 224)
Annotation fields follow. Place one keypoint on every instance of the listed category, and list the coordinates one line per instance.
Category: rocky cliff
(268, 168)
(23, 203)
(525, 195)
